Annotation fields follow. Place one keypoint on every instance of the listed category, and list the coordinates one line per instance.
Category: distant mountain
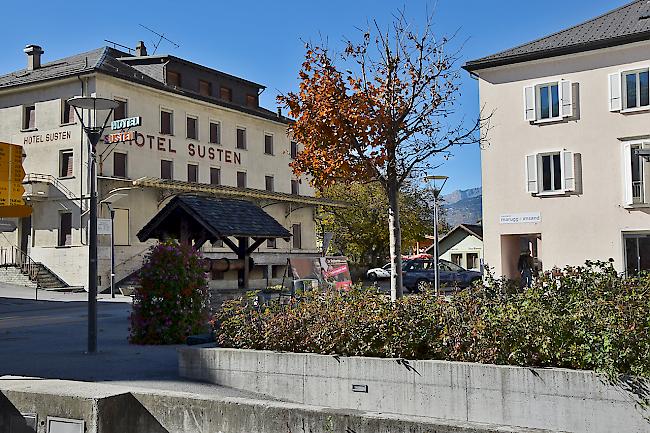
(463, 206)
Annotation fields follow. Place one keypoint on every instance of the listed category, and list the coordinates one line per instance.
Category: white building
(200, 130)
(562, 173)
(463, 245)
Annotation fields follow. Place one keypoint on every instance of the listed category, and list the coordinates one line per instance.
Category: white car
(379, 273)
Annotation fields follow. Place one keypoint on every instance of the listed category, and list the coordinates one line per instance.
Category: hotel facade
(563, 168)
(191, 129)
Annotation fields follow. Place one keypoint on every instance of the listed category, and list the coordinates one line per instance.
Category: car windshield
(452, 266)
(386, 266)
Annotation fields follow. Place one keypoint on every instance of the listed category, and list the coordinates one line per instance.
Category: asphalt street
(47, 338)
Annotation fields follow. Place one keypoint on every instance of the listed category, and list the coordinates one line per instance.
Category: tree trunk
(395, 240)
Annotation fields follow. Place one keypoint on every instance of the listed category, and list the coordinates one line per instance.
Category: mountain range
(463, 206)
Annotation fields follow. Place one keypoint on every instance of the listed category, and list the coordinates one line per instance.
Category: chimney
(33, 56)
(140, 49)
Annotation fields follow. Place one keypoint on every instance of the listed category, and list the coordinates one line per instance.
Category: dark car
(419, 275)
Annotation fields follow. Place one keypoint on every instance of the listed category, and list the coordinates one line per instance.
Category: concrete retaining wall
(116, 409)
(554, 399)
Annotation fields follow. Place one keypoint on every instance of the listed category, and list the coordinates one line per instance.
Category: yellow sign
(11, 181)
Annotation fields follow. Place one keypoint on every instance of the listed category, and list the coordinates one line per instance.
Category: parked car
(420, 274)
(382, 273)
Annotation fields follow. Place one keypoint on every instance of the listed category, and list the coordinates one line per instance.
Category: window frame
(179, 76)
(126, 165)
(245, 179)
(125, 102)
(292, 154)
(70, 112)
(196, 168)
(268, 177)
(540, 173)
(245, 139)
(171, 121)
(171, 169)
(295, 182)
(189, 117)
(299, 237)
(538, 102)
(28, 125)
(270, 135)
(63, 152)
(218, 124)
(228, 90)
(218, 170)
(209, 85)
(638, 107)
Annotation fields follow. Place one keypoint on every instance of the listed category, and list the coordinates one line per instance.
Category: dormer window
(173, 78)
(225, 93)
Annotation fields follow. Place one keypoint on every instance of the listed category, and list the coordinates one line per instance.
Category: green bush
(172, 300)
(581, 317)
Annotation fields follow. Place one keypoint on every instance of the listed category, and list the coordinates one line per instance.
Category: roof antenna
(162, 36)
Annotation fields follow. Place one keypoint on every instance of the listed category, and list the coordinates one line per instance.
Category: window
(295, 187)
(166, 122)
(65, 163)
(192, 128)
(205, 88)
(550, 172)
(192, 173)
(121, 227)
(251, 101)
(637, 253)
(294, 150)
(271, 243)
(268, 182)
(29, 117)
(215, 176)
(166, 169)
(119, 164)
(215, 132)
(297, 236)
(241, 138)
(457, 259)
(67, 112)
(472, 261)
(120, 111)
(636, 89)
(549, 101)
(635, 170)
(225, 93)
(241, 179)
(173, 78)
(268, 144)
(65, 229)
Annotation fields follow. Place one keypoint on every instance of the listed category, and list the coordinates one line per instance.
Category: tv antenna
(161, 37)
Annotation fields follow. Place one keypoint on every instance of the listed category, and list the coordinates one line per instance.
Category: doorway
(511, 248)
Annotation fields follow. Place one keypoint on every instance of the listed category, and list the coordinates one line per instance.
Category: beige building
(563, 168)
(193, 129)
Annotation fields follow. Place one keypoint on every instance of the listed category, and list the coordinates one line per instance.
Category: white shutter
(531, 174)
(566, 98)
(529, 103)
(568, 172)
(615, 102)
(627, 174)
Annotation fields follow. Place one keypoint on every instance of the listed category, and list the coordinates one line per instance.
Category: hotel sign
(126, 123)
(520, 218)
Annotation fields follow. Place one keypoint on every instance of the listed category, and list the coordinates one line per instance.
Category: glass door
(637, 253)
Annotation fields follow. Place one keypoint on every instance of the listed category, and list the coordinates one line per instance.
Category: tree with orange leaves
(383, 119)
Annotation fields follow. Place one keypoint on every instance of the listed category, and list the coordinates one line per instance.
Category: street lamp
(436, 256)
(94, 132)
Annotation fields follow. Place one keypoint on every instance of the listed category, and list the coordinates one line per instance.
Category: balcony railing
(637, 191)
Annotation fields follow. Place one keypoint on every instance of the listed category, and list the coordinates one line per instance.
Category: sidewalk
(48, 338)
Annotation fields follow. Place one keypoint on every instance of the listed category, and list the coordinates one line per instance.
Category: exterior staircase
(16, 267)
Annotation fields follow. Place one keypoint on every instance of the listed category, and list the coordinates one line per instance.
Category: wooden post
(242, 254)
(185, 233)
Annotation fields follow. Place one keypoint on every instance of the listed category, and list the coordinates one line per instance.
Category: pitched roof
(110, 61)
(626, 24)
(217, 216)
(470, 229)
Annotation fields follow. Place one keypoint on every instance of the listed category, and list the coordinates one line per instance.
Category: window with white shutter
(531, 174)
(551, 173)
(548, 102)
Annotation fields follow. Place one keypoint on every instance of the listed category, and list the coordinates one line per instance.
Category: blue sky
(261, 40)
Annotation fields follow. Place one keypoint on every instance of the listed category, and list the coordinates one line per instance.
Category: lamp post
(93, 131)
(109, 204)
(436, 256)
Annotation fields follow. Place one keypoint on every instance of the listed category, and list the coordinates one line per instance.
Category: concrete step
(13, 275)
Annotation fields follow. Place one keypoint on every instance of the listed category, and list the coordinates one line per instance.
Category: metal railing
(637, 191)
(15, 257)
(52, 180)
